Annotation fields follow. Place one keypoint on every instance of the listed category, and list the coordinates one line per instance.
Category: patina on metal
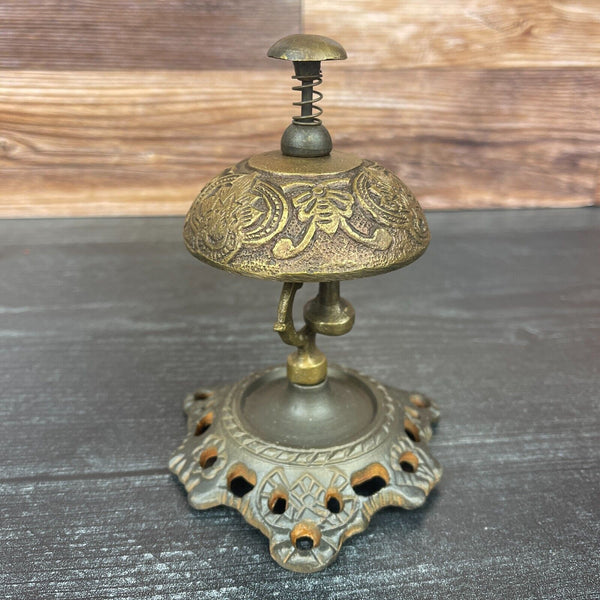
(307, 453)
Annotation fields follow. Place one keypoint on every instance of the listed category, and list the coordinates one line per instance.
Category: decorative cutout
(202, 394)
(414, 467)
(411, 430)
(241, 480)
(203, 424)
(408, 461)
(370, 480)
(305, 536)
(334, 502)
(308, 501)
(419, 401)
(278, 502)
(208, 457)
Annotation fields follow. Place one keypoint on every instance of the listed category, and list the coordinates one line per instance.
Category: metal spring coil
(316, 96)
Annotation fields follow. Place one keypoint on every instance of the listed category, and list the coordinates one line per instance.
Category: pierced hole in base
(241, 480)
(203, 424)
(305, 542)
(305, 536)
(419, 400)
(370, 480)
(409, 462)
(208, 457)
(202, 394)
(278, 502)
(334, 502)
(411, 430)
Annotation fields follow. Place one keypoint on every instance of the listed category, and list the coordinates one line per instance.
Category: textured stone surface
(106, 324)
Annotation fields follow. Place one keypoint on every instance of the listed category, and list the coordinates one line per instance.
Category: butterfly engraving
(327, 207)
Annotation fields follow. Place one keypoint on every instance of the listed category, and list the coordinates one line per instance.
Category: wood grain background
(127, 107)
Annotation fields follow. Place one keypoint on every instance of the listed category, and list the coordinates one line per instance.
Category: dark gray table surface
(105, 324)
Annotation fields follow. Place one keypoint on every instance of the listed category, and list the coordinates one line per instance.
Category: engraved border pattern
(283, 454)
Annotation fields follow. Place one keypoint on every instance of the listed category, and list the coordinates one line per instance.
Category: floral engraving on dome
(233, 211)
(328, 207)
(253, 222)
(390, 202)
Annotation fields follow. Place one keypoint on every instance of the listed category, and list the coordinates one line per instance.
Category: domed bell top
(306, 213)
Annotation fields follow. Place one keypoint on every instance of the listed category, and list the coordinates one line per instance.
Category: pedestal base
(307, 465)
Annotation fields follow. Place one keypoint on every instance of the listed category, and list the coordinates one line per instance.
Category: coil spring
(308, 82)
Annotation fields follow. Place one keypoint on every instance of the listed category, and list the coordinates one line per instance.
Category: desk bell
(307, 452)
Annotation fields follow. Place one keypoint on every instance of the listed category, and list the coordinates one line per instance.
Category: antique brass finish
(306, 47)
(327, 314)
(308, 365)
(309, 452)
(297, 219)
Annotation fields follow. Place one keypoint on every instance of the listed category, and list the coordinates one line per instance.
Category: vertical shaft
(307, 95)
(307, 72)
(329, 293)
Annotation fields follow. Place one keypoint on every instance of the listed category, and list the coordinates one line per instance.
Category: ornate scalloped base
(260, 446)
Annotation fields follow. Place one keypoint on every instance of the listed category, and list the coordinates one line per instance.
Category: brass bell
(307, 452)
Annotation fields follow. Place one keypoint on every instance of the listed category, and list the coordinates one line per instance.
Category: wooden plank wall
(127, 107)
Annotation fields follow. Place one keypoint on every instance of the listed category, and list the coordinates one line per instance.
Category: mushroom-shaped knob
(304, 47)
